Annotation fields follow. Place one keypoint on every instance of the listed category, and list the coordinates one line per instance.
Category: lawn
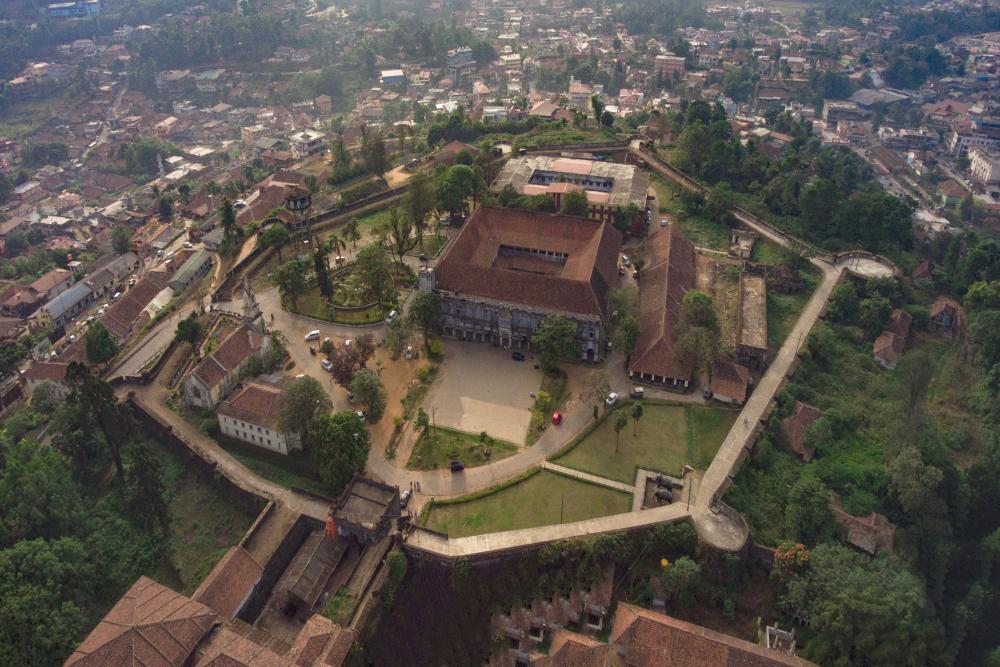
(313, 304)
(433, 243)
(540, 500)
(555, 386)
(437, 447)
(666, 438)
(699, 229)
(293, 470)
(783, 310)
(204, 524)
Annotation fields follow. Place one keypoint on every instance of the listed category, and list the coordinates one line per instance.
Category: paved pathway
(587, 477)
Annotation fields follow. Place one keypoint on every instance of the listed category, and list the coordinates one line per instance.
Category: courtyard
(544, 498)
(665, 439)
(481, 388)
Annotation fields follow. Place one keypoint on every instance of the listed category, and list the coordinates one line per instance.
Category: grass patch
(432, 245)
(666, 438)
(554, 385)
(767, 252)
(415, 393)
(340, 608)
(539, 500)
(437, 447)
(569, 135)
(313, 304)
(783, 310)
(699, 229)
(295, 469)
(204, 524)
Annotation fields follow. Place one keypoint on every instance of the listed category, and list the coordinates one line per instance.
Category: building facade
(250, 415)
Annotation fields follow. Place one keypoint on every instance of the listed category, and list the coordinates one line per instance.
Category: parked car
(422, 257)
(611, 399)
(626, 261)
(457, 466)
(404, 497)
(556, 418)
(517, 356)
(115, 296)
(664, 222)
(327, 365)
(637, 392)
(410, 353)
(188, 244)
(360, 414)
(391, 316)
(313, 335)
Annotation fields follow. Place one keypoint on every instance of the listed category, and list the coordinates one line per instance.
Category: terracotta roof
(46, 370)
(943, 303)
(868, 533)
(228, 648)
(255, 404)
(150, 626)
(890, 343)
(49, 280)
(730, 379)
(124, 313)
(226, 360)
(578, 285)
(230, 582)
(667, 276)
(571, 649)
(795, 427)
(899, 323)
(650, 639)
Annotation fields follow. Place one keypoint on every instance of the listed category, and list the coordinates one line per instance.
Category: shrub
(435, 350)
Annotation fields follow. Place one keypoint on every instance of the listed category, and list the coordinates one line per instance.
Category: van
(313, 335)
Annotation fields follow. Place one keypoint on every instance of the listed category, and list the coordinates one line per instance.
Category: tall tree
(338, 445)
(555, 339)
(375, 271)
(99, 344)
(373, 153)
(425, 313)
(627, 337)
(636, 416)
(95, 399)
(121, 238)
(227, 218)
(400, 232)
(809, 512)
(352, 233)
(321, 269)
(369, 391)
(574, 202)
(276, 236)
(302, 400)
(39, 497)
(419, 203)
(189, 330)
(290, 279)
(145, 489)
(621, 421)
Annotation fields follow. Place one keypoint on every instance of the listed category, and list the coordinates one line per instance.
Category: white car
(312, 335)
(611, 399)
(393, 315)
(327, 365)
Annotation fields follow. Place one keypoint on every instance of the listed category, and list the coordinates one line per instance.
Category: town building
(667, 276)
(751, 330)
(795, 427)
(946, 316)
(77, 9)
(507, 270)
(307, 143)
(730, 382)
(192, 270)
(984, 164)
(365, 510)
(609, 186)
(251, 415)
(669, 66)
(40, 372)
(888, 347)
(68, 304)
(837, 110)
(978, 131)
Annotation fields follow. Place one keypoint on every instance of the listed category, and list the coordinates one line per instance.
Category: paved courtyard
(482, 389)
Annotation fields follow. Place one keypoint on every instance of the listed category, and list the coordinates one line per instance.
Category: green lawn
(438, 447)
(555, 386)
(666, 438)
(432, 245)
(783, 310)
(539, 500)
(204, 524)
(293, 470)
(699, 229)
(312, 304)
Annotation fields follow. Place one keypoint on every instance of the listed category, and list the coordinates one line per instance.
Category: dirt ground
(718, 276)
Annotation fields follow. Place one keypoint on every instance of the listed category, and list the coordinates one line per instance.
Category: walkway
(587, 477)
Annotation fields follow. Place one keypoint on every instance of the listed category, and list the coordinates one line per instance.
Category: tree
(374, 270)
(681, 580)
(344, 360)
(697, 333)
(302, 401)
(42, 589)
(321, 269)
(636, 416)
(39, 496)
(121, 238)
(290, 279)
(597, 106)
(400, 232)
(627, 337)
(352, 233)
(189, 330)
(419, 203)
(843, 306)
(555, 339)
(145, 489)
(425, 313)
(338, 446)
(621, 421)
(165, 207)
(697, 310)
(607, 119)
(874, 312)
(227, 217)
(860, 610)
(373, 153)
(809, 513)
(574, 202)
(452, 187)
(277, 236)
(365, 347)
(422, 421)
(99, 344)
(397, 336)
(368, 390)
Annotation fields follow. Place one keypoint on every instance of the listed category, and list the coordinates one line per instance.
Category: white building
(985, 165)
(251, 415)
(307, 143)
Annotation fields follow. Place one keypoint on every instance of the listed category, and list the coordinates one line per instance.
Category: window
(595, 621)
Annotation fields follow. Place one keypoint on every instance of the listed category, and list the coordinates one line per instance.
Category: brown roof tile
(255, 404)
(579, 285)
(795, 428)
(150, 626)
(730, 379)
(230, 582)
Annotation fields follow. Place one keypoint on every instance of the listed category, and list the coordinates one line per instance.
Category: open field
(293, 470)
(665, 438)
(437, 447)
(540, 500)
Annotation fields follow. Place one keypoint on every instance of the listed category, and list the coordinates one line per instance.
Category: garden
(664, 438)
(540, 498)
(437, 447)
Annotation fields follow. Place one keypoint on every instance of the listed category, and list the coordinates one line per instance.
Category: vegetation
(302, 401)
(338, 445)
(556, 340)
(544, 498)
(436, 447)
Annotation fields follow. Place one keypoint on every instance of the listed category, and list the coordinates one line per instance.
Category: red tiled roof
(235, 349)
(49, 280)
(667, 276)
(123, 314)
(255, 404)
(730, 379)
(46, 370)
(580, 285)
(230, 582)
(650, 639)
(150, 626)
(795, 429)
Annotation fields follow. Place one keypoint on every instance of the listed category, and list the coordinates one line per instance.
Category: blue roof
(66, 300)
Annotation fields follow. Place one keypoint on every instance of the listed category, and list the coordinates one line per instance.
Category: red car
(556, 418)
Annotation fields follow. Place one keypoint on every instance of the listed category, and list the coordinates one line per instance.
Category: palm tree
(335, 245)
(620, 422)
(352, 233)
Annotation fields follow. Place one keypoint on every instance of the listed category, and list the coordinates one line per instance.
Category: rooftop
(752, 330)
(622, 183)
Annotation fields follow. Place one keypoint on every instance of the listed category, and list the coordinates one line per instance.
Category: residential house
(132, 311)
(53, 372)
(751, 329)
(251, 415)
(307, 143)
(946, 316)
(192, 270)
(985, 165)
(68, 304)
(888, 347)
(28, 298)
(730, 382)
(795, 426)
